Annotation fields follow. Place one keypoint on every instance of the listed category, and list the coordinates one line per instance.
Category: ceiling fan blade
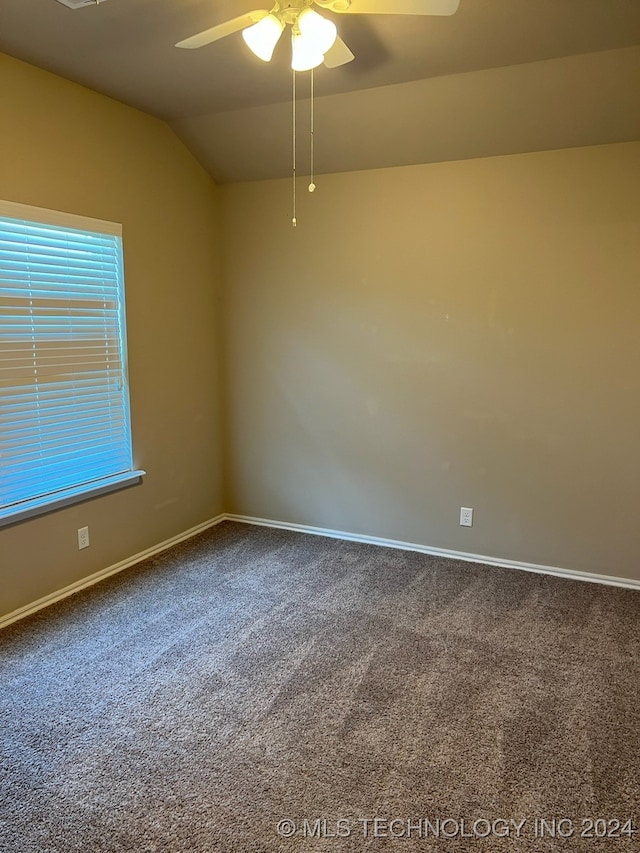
(222, 30)
(391, 7)
(337, 55)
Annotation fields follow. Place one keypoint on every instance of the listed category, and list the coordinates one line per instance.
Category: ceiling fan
(314, 39)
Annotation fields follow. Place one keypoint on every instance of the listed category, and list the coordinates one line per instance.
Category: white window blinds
(64, 407)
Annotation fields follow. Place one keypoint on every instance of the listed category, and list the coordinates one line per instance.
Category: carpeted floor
(252, 676)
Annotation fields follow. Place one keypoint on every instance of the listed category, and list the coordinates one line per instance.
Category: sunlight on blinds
(64, 407)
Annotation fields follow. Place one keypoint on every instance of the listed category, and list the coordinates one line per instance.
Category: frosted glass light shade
(304, 54)
(317, 30)
(262, 38)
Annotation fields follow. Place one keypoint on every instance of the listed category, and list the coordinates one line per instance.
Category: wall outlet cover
(83, 538)
(466, 516)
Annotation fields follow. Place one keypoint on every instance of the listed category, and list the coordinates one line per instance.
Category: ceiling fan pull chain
(294, 221)
(312, 186)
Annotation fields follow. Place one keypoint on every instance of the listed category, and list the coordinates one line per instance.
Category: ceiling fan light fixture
(304, 53)
(263, 37)
(317, 30)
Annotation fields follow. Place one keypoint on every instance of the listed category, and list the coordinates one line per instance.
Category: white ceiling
(497, 77)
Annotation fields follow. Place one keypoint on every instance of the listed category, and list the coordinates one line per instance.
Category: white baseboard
(28, 609)
(570, 574)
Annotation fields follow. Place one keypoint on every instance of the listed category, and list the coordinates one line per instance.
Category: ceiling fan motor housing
(78, 4)
(334, 5)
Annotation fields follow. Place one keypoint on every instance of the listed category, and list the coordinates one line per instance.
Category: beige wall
(428, 337)
(443, 335)
(67, 148)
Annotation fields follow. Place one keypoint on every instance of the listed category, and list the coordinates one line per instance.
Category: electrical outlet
(83, 538)
(466, 516)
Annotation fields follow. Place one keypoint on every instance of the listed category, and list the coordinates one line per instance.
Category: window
(65, 431)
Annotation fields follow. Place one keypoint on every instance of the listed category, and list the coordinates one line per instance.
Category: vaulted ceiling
(499, 76)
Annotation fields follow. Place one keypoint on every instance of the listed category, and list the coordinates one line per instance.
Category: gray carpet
(251, 676)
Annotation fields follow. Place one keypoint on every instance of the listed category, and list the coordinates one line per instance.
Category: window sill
(42, 505)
